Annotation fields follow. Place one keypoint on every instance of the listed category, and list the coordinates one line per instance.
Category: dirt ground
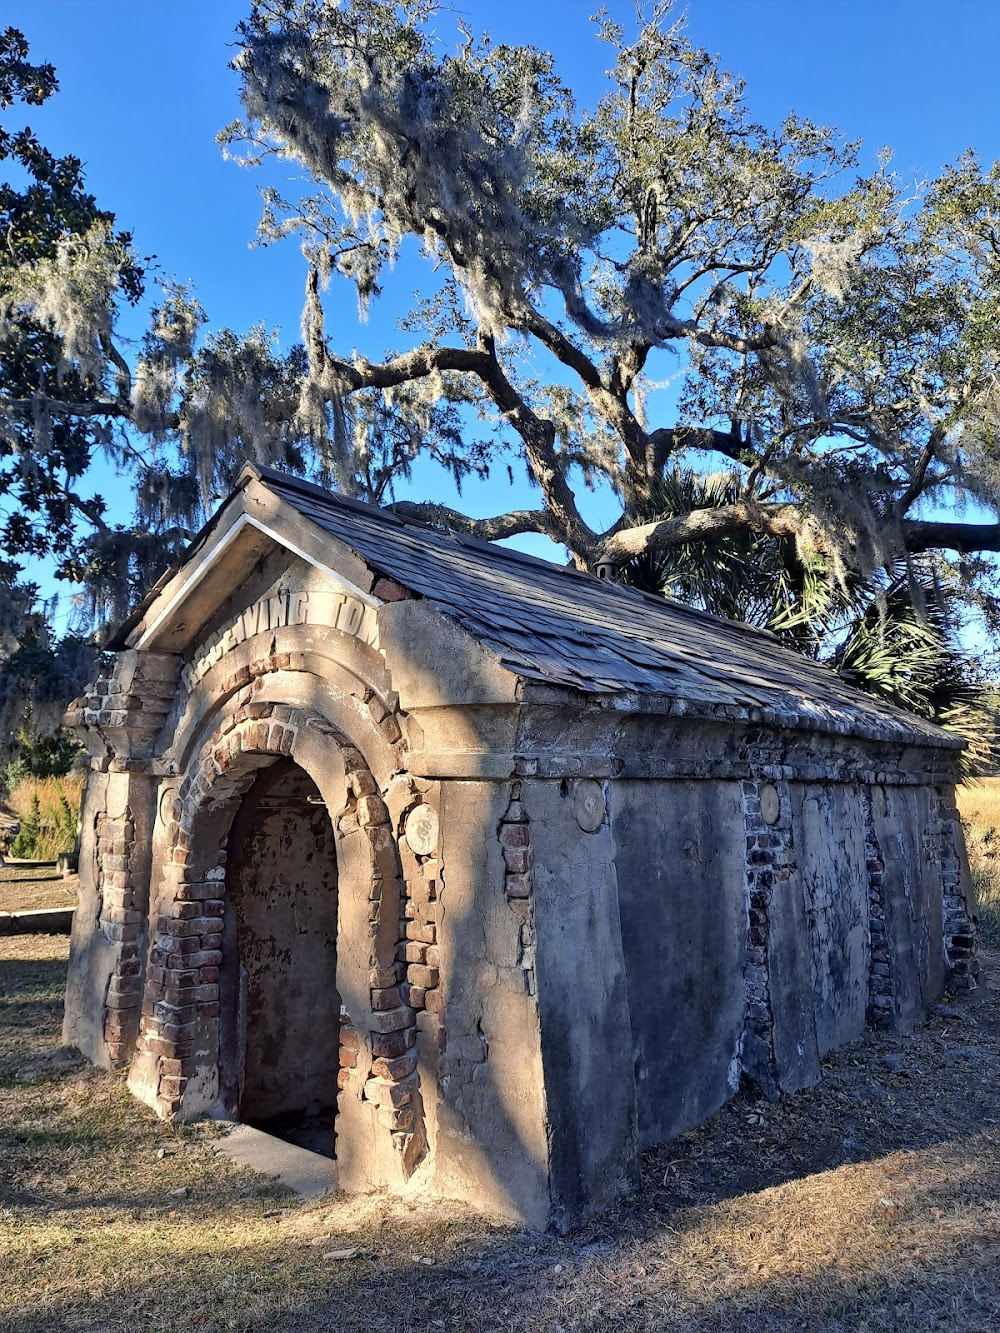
(871, 1202)
(27, 885)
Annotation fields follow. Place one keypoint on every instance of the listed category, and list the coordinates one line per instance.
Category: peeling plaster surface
(679, 859)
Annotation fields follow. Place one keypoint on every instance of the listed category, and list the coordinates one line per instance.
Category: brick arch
(368, 711)
(176, 1068)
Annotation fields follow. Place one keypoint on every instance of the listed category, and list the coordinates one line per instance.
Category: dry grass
(28, 885)
(58, 809)
(869, 1203)
(979, 804)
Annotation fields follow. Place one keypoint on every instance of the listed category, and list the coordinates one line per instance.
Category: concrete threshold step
(306, 1173)
(38, 921)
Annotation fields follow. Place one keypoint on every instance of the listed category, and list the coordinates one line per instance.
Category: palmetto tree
(890, 633)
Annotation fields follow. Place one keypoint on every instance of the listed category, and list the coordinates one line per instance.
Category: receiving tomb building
(507, 871)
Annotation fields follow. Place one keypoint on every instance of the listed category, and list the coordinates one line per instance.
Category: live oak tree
(832, 335)
(38, 504)
(836, 335)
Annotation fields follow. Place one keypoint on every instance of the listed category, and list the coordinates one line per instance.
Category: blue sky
(145, 87)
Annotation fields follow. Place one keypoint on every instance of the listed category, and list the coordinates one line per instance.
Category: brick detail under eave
(959, 925)
(514, 834)
(770, 859)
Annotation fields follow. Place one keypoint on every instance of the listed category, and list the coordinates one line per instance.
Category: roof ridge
(493, 550)
(562, 627)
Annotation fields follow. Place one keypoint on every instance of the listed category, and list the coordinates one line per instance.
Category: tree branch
(537, 434)
(89, 510)
(560, 346)
(916, 486)
(702, 525)
(610, 400)
(124, 372)
(627, 365)
(105, 408)
(485, 529)
(423, 361)
(668, 439)
(966, 538)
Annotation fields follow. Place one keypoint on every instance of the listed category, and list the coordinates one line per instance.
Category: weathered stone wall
(582, 996)
(771, 919)
(120, 721)
(95, 951)
(414, 810)
(492, 1142)
(830, 823)
(907, 834)
(957, 891)
(680, 860)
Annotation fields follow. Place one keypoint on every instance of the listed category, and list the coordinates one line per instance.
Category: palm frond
(890, 633)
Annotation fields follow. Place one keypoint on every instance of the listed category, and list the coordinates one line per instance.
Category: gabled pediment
(224, 578)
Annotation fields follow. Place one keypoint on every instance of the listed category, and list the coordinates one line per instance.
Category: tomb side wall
(767, 921)
(680, 858)
(575, 949)
(488, 1082)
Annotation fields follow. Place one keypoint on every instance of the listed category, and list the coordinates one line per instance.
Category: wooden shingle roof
(556, 626)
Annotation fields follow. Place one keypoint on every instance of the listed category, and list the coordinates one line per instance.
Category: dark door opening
(280, 1010)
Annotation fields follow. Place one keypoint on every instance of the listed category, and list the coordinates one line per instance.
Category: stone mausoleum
(506, 871)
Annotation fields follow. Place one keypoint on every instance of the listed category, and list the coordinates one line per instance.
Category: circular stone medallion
(166, 807)
(589, 806)
(422, 830)
(770, 804)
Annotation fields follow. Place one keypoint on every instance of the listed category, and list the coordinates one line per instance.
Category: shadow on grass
(42, 979)
(699, 1272)
(680, 1254)
(31, 1006)
(42, 1012)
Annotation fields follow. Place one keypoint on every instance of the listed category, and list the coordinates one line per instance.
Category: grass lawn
(871, 1202)
(28, 885)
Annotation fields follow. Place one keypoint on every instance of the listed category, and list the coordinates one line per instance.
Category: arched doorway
(279, 1004)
